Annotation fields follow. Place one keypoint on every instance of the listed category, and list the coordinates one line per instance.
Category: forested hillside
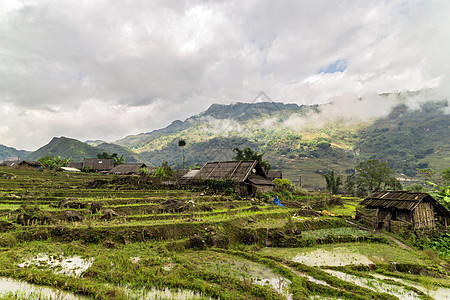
(290, 138)
(10, 152)
(67, 147)
(406, 139)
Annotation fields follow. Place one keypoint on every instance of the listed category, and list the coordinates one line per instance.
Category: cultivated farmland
(128, 237)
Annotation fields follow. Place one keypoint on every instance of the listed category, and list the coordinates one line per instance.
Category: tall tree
(372, 174)
(333, 182)
(182, 144)
(249, 154)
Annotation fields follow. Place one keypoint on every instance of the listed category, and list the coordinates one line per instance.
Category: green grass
(162, 241)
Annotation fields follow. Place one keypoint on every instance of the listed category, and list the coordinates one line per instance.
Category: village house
(249, 175)
(76, 165)
(401, 211)
(26, 164)
(98, 165)
(127, 169)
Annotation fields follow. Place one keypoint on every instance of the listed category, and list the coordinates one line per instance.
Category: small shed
(401, 211)
(272, 174)
(127, 169)
(98, 165)
(249, 175)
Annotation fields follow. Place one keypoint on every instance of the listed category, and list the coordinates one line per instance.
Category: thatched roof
(402, 200)
(28, 163)
(237, 171)
(11, 163)
(98, 164)
(190, 174)
(127, 168)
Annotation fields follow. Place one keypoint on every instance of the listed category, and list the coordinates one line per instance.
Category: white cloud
(105, 69)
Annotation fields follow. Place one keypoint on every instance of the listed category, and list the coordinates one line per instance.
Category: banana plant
(441, 193)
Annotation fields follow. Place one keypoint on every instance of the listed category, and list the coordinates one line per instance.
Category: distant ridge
(68, 147)
(8, 153)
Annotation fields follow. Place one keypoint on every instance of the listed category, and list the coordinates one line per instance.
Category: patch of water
(33, 291)
(146, 294)
(377, 285)
(71, 266)
(258, 274)
(337, 257)
(436, 293)
(278, 283)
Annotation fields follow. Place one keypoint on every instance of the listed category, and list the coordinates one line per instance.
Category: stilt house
(402, 211)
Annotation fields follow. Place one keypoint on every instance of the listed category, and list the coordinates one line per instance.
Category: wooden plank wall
(423, 216)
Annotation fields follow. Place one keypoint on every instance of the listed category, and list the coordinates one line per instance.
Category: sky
(107, 69)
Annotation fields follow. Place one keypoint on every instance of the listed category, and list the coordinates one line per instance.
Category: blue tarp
(277, 201)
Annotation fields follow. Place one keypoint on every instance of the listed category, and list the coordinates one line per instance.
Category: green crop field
(127, 237)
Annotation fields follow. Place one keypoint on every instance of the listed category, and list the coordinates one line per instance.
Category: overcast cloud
(105, 69)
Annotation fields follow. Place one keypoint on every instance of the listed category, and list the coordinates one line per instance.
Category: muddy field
(83, 236)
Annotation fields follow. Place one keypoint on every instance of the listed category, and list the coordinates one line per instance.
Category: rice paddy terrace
(109, 237)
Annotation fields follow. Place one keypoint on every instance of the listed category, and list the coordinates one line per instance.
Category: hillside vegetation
(293, 138)
(67, 147)
(406, 139)
(130, 237)
(9, 152)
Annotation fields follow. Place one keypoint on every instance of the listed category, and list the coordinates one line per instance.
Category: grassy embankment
(215, 245)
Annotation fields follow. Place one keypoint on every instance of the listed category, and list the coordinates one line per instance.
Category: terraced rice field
(110, 237)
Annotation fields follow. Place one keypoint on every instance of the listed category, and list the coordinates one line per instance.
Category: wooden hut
(98, 165)
(127, 169)
(24, 164)
(249, 175)
(272, 174)
(75, 164)
(401, 211)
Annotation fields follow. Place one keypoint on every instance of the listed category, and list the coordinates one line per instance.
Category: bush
(7, 240)
(144, 172)
(282, 182)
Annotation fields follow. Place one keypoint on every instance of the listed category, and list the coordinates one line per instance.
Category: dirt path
(398, 242)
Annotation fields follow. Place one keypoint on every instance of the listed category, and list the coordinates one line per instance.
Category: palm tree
(182, 144)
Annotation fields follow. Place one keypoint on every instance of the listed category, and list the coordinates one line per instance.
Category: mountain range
(299, 139)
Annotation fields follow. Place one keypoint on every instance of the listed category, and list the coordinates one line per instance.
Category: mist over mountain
(407, 130)
(310, 140)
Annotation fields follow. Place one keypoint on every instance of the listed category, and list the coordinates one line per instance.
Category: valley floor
(155, 243)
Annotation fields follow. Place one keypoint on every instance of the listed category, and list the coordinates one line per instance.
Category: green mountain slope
(128, 155)
(10, 152)
(67, 147)
(406, 139)
(409, 140)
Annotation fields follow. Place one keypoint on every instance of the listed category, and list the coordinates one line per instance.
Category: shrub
(283, 182)
(7, 240)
